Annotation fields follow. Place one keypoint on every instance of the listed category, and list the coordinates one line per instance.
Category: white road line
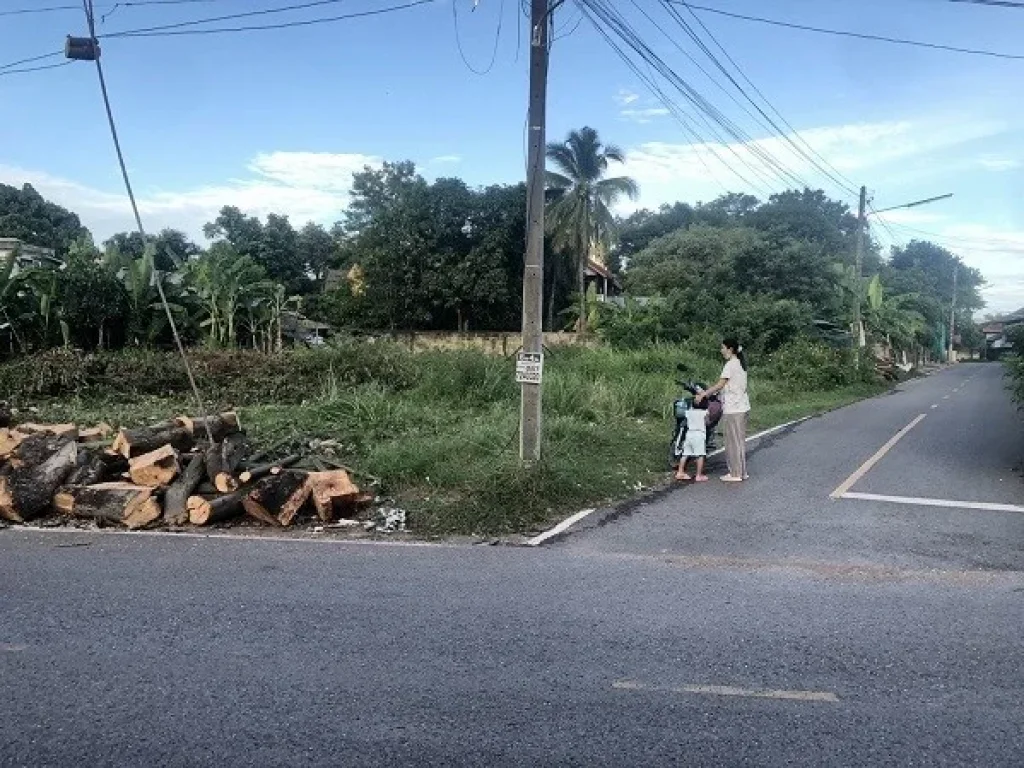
(569, 522)
(945, 503)
(868, 465)
(935, 406)
(729, 690)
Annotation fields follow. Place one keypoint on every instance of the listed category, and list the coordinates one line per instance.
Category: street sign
(529, 368)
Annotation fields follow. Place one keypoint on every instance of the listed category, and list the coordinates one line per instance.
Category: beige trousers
(735, 443)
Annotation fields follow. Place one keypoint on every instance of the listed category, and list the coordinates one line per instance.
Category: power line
(823, 167)
(262, 27)
(34, 69)
(714, 118)
(231, 17)
(796, 134)
(31, 59)
(497, 39)
(91, 20)
(997, 3)
(108, 8)
(847, 33)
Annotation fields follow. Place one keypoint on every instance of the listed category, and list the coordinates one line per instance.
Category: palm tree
(581, 198)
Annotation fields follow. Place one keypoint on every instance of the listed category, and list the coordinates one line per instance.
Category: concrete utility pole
(859, 271)
(952, 312)
(529, 368)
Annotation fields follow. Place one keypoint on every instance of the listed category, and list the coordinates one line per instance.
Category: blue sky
(277, 121)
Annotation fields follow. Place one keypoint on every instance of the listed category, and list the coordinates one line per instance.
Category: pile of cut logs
(197, 471)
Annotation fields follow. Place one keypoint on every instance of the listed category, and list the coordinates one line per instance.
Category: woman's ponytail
(737, 349)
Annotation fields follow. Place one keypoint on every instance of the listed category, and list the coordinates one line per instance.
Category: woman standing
(735, 411)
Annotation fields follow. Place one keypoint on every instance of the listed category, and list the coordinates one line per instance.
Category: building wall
(505, 344)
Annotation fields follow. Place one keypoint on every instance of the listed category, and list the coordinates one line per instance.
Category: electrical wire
(264, 27)
(497, 39)
(34, 69)
(833, 173)
(232, 16)
(716, 121)
(91, 21)
(997, 3)
(108, 9)
(31, 60)
(847, 33)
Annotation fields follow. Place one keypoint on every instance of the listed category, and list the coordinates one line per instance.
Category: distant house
(28, 255)
(301, 330)
(996, 332)
(606, 284)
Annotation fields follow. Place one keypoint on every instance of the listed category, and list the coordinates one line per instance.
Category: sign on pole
(529, 368)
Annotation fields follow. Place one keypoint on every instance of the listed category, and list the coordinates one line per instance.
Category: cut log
(89, 470)
(155, 469)
(27, 492)
(37, 448)
(9, 440)
(261, 471)
(95, 434)
(272, 495)
(52, 429)
(223, 460)
(136, 442)
(216, 427)
(176, 501)
(331, 489)
(209, 511)
(123, 503)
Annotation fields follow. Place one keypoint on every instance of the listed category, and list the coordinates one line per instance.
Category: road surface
(763, 624)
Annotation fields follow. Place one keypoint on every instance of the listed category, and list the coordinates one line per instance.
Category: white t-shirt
(696, 421)
(734, 396)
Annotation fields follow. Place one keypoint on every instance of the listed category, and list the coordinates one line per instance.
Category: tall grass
(440, 428)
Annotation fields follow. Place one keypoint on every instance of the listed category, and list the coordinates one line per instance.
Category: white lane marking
(945, 503)
(729, 690)
(569, 522)
(868, 465)
(945, 397)
(935, 406)
(12, 647)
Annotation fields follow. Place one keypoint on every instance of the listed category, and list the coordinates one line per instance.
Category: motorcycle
(679, 408)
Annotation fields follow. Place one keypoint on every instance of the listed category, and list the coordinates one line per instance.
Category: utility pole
(859, 272)
(529, 368)
(952, 312)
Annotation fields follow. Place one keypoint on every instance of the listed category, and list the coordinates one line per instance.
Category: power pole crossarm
(533, 273)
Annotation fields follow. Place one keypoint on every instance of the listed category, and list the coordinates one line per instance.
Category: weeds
(441, 428)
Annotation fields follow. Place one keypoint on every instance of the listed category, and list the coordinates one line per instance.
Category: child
(695, 443)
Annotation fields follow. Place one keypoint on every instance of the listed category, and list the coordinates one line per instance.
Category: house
(28, 255)
(301, 330)
(996, 332)
(606, 284)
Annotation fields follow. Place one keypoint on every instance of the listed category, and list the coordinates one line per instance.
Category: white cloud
(999, 163)
(668, 172)
(307, 186)
(446, 160)
(643, 116)
(624, 97)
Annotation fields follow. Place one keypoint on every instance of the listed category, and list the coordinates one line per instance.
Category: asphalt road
(764, 624)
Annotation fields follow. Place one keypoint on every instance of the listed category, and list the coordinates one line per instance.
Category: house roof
(599, 269)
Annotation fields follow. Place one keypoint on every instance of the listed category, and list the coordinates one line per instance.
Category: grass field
(439, 428)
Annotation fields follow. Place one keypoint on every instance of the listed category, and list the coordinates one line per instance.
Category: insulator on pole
(82, 48)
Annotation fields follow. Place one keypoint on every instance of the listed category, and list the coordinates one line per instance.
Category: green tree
(27, 216)
(227, 283)
(317, 251)
(171, 247)
(93, 302)
(581, 197)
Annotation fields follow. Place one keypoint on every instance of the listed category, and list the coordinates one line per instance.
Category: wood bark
(10, 439)
(209, 511)
(330, 490)
(53, 429)
(89, 470)
(135, 442)
(262, 470)
(156, 468)
(26, 492)
(176, 501)
(220, 426)
(124, 503)
(275, 494)
(223, 460)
